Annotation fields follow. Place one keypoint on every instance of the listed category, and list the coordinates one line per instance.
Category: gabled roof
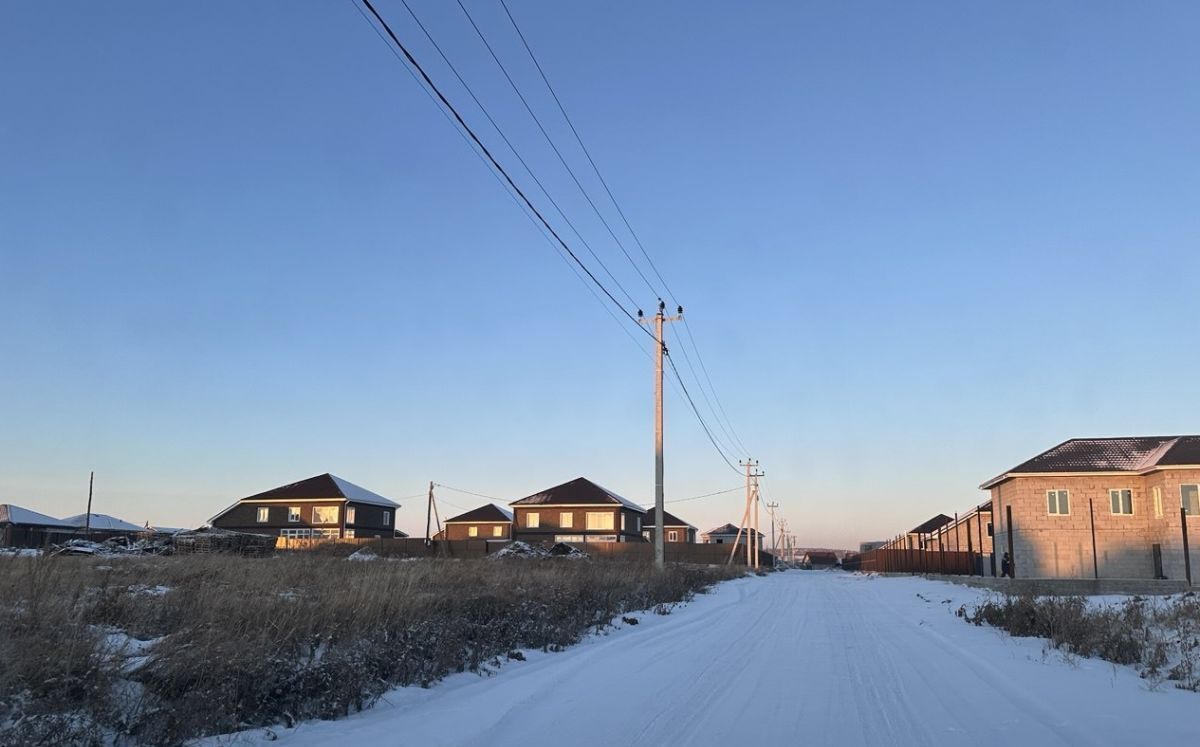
(578, 491)
(821, 556)
(10, 514)
(324, 486)
(669, 520)
(1125, 454)
(489, 512)
(725, 530)
(932, 525)
(103, 523)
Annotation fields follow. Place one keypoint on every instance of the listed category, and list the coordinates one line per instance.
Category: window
(472, 531)
(350, 514)
(597, 520)
(387, 518)
(349, 534)
(566, 519)
(1158, 509)
(673, 536)
(325, 534)
(1058, 502)
(622, 521)
(293, 514)
(264, 514)
(1189, 499)
(637, 520)
(497, 531)
(533, 520)
(325, 515)
(1121, 500)
(295, 533)
(646, 535)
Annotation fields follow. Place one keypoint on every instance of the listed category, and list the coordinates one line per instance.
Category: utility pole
(750, 515)
(428, 514)
(774, 540)
(87, 518)
(659, 349)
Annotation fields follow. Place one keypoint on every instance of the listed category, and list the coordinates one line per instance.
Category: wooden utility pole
(87, 518)
(428, 514)
(659, 349)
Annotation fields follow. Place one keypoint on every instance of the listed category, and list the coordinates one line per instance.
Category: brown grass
(249, 642)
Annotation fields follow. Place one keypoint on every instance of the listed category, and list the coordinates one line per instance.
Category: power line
(704, 425)
(586, 152)
(468, 492)
(706, 495)
(529, 170)
(557, 152)
(492, 159)
(711, 388)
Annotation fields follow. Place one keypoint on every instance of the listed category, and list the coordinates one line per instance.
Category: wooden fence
(950, 562)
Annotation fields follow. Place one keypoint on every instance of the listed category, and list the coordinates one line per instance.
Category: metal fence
(948, 562)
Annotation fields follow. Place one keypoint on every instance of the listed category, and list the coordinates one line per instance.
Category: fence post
(1187, 556)
(970, 552)
(1095, 562)
(1012, 556)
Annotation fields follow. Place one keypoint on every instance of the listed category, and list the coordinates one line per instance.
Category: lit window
(566, 519)
(599, 520)
(1121, 500)
(293, 513)
(325, 514)
(622, 521)
(350, 514)
(264, 514)
(1158, 509)
(1058, 502)
(673, 536)
(472, 531)
(497, 531)
(387, 518)
(349, 534)
(1189, 499)
(532, 520)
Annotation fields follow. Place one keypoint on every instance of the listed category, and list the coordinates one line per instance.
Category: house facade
(577, 511)
(321, 507)
(675, 529)
(1127, 493)
(488, 522)
(727, 534)
(819, 560)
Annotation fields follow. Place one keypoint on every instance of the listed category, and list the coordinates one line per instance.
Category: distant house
(103, 526)
(577, 511)
(675, 529)
(321, 507)
(820, 559)
(727, 534)
(488, 522)
(1128, 492)
(925, 535)
(20, 527)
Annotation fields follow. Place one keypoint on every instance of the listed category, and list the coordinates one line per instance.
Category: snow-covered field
(813, 657)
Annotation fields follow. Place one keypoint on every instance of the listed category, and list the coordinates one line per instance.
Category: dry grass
(247, 642)
(1160, 637)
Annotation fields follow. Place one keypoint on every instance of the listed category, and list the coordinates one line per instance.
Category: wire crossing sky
(915, 245)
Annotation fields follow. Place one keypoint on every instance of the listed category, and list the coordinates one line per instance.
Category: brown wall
(457, 531)
(551, 523)
(368, 519)
(684, 534)
(1049, 545)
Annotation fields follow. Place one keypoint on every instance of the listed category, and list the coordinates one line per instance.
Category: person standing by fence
(1006, 566)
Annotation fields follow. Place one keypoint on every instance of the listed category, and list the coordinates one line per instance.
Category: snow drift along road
(814, 657)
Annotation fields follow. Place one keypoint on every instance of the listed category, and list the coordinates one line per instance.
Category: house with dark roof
(817, 560)
(577, 511)
(675, 529)
(488, 522)
(21, 527)
(103, 526)
(927, 534)
(727, 534)
(1127, 493)
(321, 507)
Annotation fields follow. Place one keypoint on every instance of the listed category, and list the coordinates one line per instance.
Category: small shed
(21, 527)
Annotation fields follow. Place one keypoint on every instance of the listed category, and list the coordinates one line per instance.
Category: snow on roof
(488, 512)
(578, 491)
(103, 522)
(362, 495)
(18, 515)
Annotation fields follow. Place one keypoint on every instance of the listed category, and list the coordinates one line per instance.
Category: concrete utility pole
(749, 524)
(660, 348)
(428, 513)
(774, 540)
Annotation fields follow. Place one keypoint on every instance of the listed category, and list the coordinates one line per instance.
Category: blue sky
(917, 243)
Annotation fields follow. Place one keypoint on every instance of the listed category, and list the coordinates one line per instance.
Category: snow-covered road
(814, 657)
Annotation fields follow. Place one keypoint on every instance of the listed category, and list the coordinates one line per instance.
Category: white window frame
(294, 534)
(533, 520)
(672, 535)
(293, 514)
(599, 521)
(350, 514)
(566, 519)
(387, 518)
(1158, 504)
(1058, 502)
(349, 534)
(263, 515)
(1182, 498)
(318, 511)
(472, 531)
(497, 531)
(622, 521)
(1117, 493)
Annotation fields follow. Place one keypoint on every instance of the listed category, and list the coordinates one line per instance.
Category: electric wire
(468, 492)
(495, 163)
(699, 417)
(706, 495)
